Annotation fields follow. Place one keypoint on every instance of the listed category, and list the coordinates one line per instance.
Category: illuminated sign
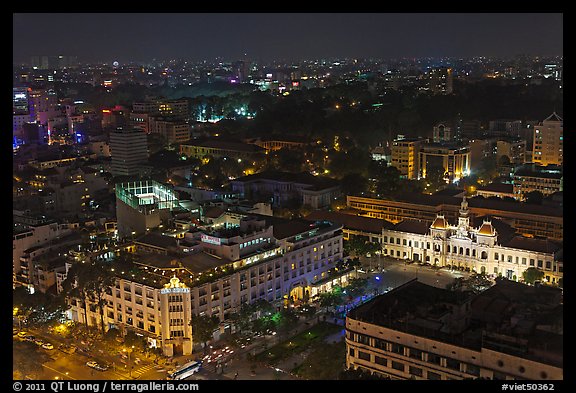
(211, 239)
(174, 290)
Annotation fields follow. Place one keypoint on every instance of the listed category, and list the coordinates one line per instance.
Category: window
(403, 242)
(362, 339)
(381, 361)
(433, 358)
(540, 263)
(496, 256)
(452, 364)
(363, 355)
(472, 369)
(397, 366)
(415, 371)
(532, 262)
(397, 348)
(397, 240)
(434, 376)
(351, 352)
(380, 344)
(415, 353)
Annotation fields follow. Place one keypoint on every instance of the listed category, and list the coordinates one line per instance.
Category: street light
(129, 352)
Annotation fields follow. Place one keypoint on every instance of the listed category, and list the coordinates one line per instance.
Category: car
(38, 342)
(22, 334)
(30, 338)
(14, 331)
(96, 366)
(47, 346)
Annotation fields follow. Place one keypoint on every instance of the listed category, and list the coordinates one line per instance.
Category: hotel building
(213, 271)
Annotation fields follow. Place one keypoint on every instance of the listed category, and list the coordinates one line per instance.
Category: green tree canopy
(532, 274)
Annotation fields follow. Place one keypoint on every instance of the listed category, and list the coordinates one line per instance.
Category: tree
(101, 279)
(241, 319)
(74, 286)
(353, 184)
(203, 327)
(532, 274)
(356, 287)
(288, 320)
(332, 298)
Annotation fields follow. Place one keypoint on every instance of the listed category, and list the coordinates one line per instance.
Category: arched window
(467, 251)
(461, 250)
(484, 255)
(455, 250)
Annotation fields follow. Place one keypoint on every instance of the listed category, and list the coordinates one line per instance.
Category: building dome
(486, 229)
(440, 223)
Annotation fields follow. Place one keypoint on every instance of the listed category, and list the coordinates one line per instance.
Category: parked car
(38, 342)
(22, 334)
(47, 346)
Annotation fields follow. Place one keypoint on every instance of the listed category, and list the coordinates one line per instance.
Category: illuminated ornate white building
(480, 249)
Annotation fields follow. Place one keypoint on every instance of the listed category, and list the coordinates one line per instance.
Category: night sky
(283, 36)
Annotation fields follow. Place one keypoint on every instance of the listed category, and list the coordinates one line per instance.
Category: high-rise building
(548, 141)
(405, 156)
(514, 149)
(440, 80)
(174, 131)
(505, 127)
(19, 100)
(129, 149)
(442, 133)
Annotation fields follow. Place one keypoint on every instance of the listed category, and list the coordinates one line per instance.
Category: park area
(316, 353)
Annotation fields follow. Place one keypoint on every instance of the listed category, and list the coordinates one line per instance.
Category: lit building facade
(473, 249)
(528, 178)
(515, 150)
(549, 141)
(272, 260)
(405, 156)
(143, 205)
(454, 159)
(174, 131)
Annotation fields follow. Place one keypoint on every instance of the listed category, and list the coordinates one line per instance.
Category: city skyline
(284, 36)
